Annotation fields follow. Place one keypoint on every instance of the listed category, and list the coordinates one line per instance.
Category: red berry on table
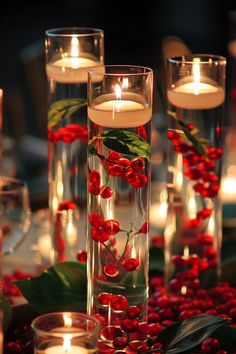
(13, 348)
(133, 312)
(137, 164)
(130, 264)
(129, 325)
(120, 342)
(210, 345)
(96, 219)
(232, 313)
(111, 227)
(154, 329)
(185, 314)
(106, 192)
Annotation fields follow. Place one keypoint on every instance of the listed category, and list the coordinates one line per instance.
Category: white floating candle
(196, 92)
(126, 112)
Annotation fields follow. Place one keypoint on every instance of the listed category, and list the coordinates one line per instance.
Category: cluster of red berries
(103, 231)
(163, 310)
(10, 290)
(198, 167)
(130, 171)
(68, 134)
(188, 269)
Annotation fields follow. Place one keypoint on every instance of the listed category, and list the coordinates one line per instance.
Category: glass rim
(79, 32)
(146, 70)
(82, 316)
(204, 58)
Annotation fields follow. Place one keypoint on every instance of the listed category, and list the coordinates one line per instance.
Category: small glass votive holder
(65, 333)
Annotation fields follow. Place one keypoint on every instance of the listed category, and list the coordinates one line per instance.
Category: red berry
(144, 228)
(192, 173)
(106, 192)
(137, 164)
(93, 189)
(210, 253)
(94, 177)
(130, 264)
(111, 227)
(140, 182)
(98, 234)
(104, 299)
(115, 170)
(204, 213)
(179, 261)
(129, 325)
(133, 312)
(210, 345)
(118, 302)
(123, 162)
(120, 342)
(185, 314)
(82, 256)
(111, 270)
(96, 219)
(173, 136)
(154, 329)
(113, 156)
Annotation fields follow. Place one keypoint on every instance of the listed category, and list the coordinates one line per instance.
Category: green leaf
(195, 141)
(186, 335)
(64, 109)
(127, 143)
(62, 287)
(7, 312)
(226, 336)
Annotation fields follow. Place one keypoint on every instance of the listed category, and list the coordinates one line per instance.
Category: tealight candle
(72, 68)
(125, 110)
(71, 350)
(194, 93)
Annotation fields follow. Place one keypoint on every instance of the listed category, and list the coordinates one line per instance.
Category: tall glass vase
(119, 112)
(70, 52)
(196, 93)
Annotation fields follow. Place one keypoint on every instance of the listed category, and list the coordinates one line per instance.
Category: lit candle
(63, 350)
(122, 110)
(72, 68)
(158, 214)
(194, 93)
(228, 190)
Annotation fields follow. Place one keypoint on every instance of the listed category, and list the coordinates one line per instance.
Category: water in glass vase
(118, 189)
(193, 230)
(67, 156)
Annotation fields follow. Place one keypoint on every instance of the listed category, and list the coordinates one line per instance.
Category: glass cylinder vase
(196, 93)
(70, 52)
(119, 112)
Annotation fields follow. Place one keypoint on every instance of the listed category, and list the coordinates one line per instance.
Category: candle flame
(118, 92)
(67, 320)
(74, 52)
(125, 83)
(74, 47)
(196, 75)
(67, 343)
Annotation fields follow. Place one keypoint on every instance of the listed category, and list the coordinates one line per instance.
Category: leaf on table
(62, 287)
(64, 109)
(189, 333)
(226, 336)
(189, 135)
(126, 142)
(7, 312)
